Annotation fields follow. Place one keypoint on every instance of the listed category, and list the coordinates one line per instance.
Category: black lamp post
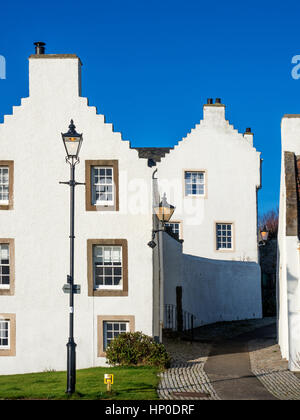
(72, 142)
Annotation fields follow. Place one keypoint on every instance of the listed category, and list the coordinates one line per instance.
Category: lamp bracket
(156, 231)
(72, 161)
(72, 183)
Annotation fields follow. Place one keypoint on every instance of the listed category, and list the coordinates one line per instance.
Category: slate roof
(152, 153)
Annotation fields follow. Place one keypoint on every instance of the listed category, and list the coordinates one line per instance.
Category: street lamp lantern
(264, 233)
(72, 142)
(164, 211)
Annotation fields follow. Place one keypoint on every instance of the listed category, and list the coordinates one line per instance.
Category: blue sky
(150, 65)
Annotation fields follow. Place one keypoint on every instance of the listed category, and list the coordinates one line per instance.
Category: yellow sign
(108, 378)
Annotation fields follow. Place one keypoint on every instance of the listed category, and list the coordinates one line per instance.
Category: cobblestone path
(187, 372)
(272, 370)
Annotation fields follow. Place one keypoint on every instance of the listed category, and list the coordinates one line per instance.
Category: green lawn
(131, 383)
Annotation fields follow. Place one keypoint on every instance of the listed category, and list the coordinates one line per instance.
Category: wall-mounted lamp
(164, 211)
(263, 236)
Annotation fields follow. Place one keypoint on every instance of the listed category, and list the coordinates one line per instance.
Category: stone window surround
(228, 250)
(114, 318)
(193, 197)
(88, 188)
(90, 270)
(11, 352)
(10, 165)
(11, 290)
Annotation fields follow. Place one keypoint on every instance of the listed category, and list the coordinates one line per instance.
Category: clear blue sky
(150, 65)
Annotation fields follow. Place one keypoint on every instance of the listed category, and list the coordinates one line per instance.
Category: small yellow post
(108, 380)
(108, 386)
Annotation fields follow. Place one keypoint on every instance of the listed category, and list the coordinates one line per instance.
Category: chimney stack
(248, 136)
(39, 48)
(214, 113)
(54, 75)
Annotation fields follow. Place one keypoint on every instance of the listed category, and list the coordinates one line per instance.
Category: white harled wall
(212, 290)
(288, 275)
(39, 222)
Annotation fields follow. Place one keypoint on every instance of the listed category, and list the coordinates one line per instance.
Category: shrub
(137, 349)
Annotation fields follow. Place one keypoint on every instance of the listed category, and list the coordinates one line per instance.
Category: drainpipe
(161, 281)
(159, 234)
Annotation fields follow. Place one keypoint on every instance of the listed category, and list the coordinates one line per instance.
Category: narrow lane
(229, 371)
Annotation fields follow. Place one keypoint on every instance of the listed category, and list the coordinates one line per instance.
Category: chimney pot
(39, 48)
(248, 130)
(210, 101)
(218, 100)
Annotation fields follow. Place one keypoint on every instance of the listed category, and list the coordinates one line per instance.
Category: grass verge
(130, 383)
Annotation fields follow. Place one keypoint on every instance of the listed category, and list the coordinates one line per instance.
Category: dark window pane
(5, 269)
(117, 281)
(108, 281)
(5, 280)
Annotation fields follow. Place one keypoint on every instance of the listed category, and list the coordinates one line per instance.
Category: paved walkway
(229, 371)
(247, 366)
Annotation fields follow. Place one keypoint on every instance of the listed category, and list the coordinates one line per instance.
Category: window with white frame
(103, 185)
(4, 185)
(107, 267)
(4, 334)
(224, 236)
(112, 330)
(194, 183)
(175, 227)
(4, 266)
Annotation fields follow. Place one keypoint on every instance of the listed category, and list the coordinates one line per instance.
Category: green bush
(137, 349)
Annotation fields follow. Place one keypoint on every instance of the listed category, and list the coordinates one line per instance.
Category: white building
(288, 244)
(218, 173)
(212, 177)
